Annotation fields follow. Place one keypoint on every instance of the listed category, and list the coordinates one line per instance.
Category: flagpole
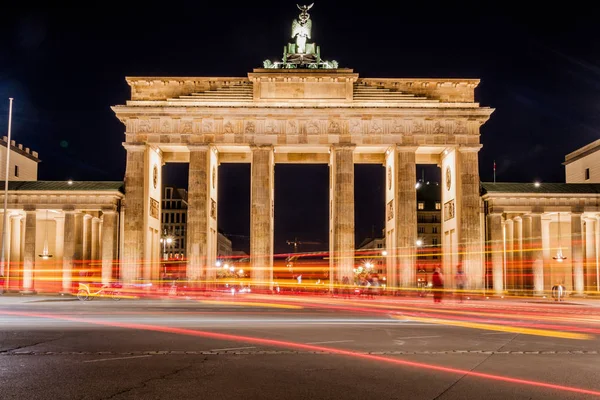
(494, 171)
(2, 258)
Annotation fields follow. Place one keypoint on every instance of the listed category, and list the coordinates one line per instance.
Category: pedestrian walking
(460, 280)
(437, 279)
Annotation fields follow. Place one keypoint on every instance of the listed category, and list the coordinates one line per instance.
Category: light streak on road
(308, 347)
(501, 328)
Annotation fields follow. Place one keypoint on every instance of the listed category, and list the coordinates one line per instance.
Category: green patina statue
(301, 54)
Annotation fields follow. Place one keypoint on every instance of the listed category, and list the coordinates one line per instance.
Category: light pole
(165, 240)
(2, 259)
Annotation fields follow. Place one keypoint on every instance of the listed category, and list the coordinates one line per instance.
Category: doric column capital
(96, 220)
(87, 216)
(29, 208)
(470, 149)
(134, 146)
(343, 146)
(254, 147)
(198, 147)
(16, 216)
(406, 149)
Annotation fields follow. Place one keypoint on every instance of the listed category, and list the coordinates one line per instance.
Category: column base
(26, 292)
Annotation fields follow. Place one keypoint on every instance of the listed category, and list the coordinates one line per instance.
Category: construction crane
(297, 242)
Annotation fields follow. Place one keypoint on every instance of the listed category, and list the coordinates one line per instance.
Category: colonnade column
(526, 256)
(95, 250)
(73, 249)
(29, 249)
(495, 236)
(536, 254)
(469, 223)
(546, 272)
(202, 215)
(590, 254)
(14, 264)
(577, 253)
(517, 249)
(133, 204)
(406, 216)
(262, 198)
(509, 269)
(87, 238)
(109, 244)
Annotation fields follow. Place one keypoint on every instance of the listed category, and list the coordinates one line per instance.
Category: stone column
(73, 250)
(546, 243)
(87, 239)
(198, 213)
(109, 244)
(133, 237)
(14, 265)
(496, 246)
(261, 215)
(590, 254)
(95, 239)
(518, 253)
(526, 257)
(537, 256)
(469, 223)
(29, 250)
(577, 253)
(60, 239)
(509, 233)
(406, 216)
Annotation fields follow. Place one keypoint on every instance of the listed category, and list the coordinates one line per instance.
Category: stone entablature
(540, 203)
(318, 128)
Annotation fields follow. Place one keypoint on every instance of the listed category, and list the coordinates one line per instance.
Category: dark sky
(65, 66)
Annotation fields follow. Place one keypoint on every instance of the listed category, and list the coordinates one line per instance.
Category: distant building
(583, 164)
(174, 222)
(23, 162)
(174, 217)
(428, 232)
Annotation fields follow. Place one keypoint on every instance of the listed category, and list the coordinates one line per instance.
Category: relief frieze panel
(334, 127)
(208, 126)
(418, 127)
(272, 127)
(291, 127)
(376, 127)
(145, 126)
(186, 126)
(355, 126)
(250, 127)
(228, 127)
(165, 126)
(398, 126)
(312, 127)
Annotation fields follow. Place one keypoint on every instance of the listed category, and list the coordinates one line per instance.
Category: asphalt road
(294, 348)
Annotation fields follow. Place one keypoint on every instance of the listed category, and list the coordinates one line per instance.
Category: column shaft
(198, 213)
(406, 219)
(109, 244)
(546, 272)
(15, 267)
(577, 253)
(536, 255)
(87, 238)
(261, 215)
(29, 251)
(509, 232)
(133, 238)
(590, 254)
(518, 253)
(95, 239)
(469, 213)
(495, 235)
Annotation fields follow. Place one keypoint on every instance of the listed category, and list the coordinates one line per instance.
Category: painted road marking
(331, 341)
(234, 348)
(416, 337)
(252, 304)
(117, 358)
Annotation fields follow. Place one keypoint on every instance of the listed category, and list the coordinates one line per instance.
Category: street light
(166, 241)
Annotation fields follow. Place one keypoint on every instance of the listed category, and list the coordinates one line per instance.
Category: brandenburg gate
(303, 110)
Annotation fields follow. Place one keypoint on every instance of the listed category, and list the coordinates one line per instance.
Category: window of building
(438, 206)
(421, 206)
(434, 240)
(421, 229)
(587, 174)
(434, 229)
(17, 170)
(379, 245)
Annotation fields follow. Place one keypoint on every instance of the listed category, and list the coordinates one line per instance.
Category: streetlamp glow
(419, 242)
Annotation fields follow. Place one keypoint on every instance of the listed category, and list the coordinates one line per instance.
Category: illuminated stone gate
(303, 110)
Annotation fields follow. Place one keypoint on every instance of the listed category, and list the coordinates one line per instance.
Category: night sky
(65, 67)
